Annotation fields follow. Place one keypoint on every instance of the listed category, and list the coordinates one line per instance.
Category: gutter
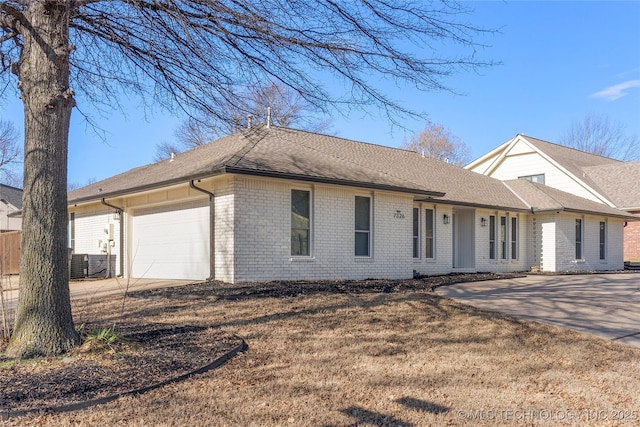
(120, 237)
(335, 181)
(212, 228)
(473, 205)
(262, 173)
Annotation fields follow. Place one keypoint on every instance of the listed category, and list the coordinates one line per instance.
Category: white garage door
(171, 242)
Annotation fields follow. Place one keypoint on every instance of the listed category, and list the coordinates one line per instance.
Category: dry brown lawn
(392, 358)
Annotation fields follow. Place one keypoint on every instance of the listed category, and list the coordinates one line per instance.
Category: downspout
(212, 228)
(121, 237)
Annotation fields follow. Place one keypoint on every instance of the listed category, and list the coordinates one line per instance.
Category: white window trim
(370, 197)
(434, 239)
(606, 241)
(493, 255)
(582, 224)
(413, 236)
(506, 242)
(311, 222)
(514, 257)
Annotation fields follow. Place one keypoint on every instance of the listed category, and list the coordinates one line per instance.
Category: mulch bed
(147, 354)
(154, 353)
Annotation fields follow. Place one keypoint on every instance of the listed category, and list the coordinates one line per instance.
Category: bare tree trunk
(44, 324)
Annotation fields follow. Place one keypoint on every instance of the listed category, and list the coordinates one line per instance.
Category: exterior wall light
(483, 222)
(446, 219)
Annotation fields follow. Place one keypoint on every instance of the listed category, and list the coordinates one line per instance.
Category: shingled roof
(618, 182)
(300, 155)
(12, 195)
(542, 198)
(573, 160)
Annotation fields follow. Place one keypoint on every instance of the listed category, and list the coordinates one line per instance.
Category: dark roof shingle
(295, 154)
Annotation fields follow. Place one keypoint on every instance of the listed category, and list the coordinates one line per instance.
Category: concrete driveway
(95, 288)
(606, 305)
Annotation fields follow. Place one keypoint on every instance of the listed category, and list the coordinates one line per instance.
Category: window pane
(363, 213)
(416, 232)
(299, 242)
(429, 229)
(492, 237)
(300, 209)
(300, 222)
(534, 178)
(514, 238)
(578, 239)
(603, 233)
(362, 243)
(503, 237)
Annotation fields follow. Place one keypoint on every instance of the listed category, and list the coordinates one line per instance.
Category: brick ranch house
(275, 203)
(601, 179)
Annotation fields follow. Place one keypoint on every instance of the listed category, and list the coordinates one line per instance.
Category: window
(72, 230)
(300, 222)
(492, 237)
(503, 237)
(514, 237)
(430, 235)
(603, 240)
(534, 178)
(578, 238)
(363, 226)
(416, 232)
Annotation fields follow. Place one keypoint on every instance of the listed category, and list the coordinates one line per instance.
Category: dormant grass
(409, 358)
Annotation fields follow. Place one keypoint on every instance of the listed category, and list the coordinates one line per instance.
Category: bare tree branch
(197, 57)
(437, 142)
(598, 134)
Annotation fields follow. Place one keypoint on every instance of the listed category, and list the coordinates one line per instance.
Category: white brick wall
(253, 231)
(263, 233)
(559, 242)
(484, 261)
(262, 239)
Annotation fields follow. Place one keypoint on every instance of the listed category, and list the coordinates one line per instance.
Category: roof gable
(542, 198)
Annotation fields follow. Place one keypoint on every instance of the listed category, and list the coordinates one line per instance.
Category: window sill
(424, 260)
(363, 259)
(302, 259)
(579, 261)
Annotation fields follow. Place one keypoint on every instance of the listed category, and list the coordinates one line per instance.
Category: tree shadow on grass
(366, 417)
(422, 405)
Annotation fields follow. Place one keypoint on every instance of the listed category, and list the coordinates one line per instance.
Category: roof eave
(253, 172)
(147, 187)
(335, 181)
(476, 205)
(585, 211)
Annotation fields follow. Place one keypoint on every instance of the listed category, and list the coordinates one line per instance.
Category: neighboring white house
(601, 179)
(10, 207)
(274, 203)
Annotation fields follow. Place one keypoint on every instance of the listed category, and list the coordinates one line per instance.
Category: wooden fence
(10, 252)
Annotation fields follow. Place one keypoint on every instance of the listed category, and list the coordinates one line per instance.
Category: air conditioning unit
(79, 268)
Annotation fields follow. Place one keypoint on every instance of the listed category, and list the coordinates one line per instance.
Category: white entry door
(171, 242)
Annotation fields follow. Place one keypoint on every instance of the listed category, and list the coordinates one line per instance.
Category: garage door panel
(172, 242)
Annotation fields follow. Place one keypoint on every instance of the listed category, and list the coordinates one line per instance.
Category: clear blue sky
(560, 61)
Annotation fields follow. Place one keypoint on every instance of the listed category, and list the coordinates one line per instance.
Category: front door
(464, 237)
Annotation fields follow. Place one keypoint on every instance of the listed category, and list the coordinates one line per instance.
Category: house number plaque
(398, 214)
